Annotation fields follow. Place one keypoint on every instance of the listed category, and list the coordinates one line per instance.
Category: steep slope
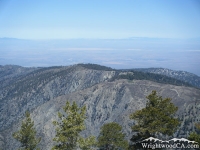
(136, 74)
(111, 101)
(11, 73)
(180, 75)
(107, 93)
(27, 88)
(43, 85)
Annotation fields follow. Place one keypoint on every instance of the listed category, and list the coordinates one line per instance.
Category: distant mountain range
(134, 52)
(109, 95)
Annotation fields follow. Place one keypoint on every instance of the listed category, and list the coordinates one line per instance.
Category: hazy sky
(61, 19)
(106, 32)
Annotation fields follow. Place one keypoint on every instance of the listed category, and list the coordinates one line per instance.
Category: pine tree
(112, 138)
(195, 136)
(87, 143)
(69, 126)
(157, 117)
(27, 134)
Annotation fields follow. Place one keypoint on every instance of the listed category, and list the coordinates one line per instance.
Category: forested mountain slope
(42, 85)
(109, 95)
(111, 101)
(11, 73)
(180, 75)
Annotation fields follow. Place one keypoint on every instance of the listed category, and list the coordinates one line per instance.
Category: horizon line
(126, 38)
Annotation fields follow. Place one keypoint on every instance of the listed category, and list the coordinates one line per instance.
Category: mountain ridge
(109, 96)
(180, 75)
(111, 101)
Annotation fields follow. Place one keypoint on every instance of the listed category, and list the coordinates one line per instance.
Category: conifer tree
(87, 143)
(68, 128)
(27, 134)
(157, 117)
(195, 136)
(112, 138)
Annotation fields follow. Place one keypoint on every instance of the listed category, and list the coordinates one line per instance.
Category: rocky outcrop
(42, 85)
(108, 102)
(109, 95)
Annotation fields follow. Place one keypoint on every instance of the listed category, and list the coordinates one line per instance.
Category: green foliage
(96, 67)
(87, 143)
(27, 134)
(195, 136)
(157, 117)
(69, 127)
(137, 75)
(111, 137)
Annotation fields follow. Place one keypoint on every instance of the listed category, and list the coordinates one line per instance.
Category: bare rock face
(44, 91)
(43, 85)
(108, 102)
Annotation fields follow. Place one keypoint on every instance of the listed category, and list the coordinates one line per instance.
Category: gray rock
(108, 102)
(44, 85)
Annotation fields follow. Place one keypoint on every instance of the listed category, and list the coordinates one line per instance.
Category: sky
(115, 33)
(104, 19)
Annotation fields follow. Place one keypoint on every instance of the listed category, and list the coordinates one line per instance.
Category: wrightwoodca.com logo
(175, 143)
